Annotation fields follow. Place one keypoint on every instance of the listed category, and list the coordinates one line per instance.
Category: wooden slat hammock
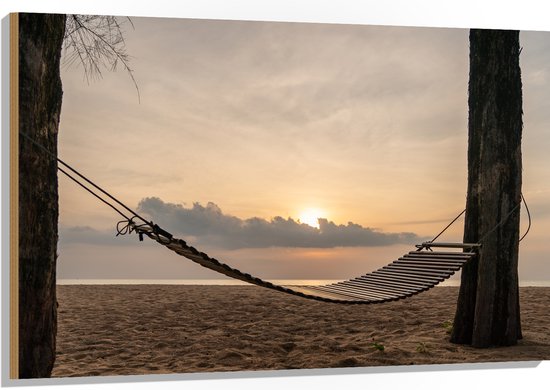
(414, 272)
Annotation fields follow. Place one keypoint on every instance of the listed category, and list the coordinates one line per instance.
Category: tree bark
(40, 95)
(487, 311)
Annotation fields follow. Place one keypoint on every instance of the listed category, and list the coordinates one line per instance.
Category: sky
(244, 131)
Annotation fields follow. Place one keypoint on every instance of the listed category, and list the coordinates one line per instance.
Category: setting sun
(311, 217)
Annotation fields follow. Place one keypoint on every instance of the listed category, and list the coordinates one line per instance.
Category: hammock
(413, 273)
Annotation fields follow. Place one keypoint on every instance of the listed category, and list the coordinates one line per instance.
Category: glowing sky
(256, 122)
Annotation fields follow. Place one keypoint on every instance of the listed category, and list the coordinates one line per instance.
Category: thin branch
(97, 42)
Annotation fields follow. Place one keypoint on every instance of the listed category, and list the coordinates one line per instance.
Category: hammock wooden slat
(389, 288)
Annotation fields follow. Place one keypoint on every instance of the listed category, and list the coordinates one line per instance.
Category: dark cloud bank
(208, 225)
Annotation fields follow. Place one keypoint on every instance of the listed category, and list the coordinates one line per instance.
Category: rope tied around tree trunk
(502, 221)
(82, 183)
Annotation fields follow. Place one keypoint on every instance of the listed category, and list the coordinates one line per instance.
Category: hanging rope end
(128, 226)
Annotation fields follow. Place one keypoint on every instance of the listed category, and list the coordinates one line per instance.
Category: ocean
(234, 282)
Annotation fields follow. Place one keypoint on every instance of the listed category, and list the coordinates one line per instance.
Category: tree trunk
(40, 93)
(487, 312)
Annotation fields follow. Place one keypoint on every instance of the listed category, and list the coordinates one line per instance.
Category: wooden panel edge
(14, 196)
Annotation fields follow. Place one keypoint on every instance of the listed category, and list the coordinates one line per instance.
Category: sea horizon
(234, 282)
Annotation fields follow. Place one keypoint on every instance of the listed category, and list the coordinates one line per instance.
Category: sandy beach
(162, 329)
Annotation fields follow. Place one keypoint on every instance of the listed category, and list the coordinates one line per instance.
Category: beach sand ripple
(162, 329)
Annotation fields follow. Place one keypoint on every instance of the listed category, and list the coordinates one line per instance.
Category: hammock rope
(55, 158)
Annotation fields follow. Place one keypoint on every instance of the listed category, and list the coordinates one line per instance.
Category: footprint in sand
(288, 346)
(231, 358)
(348, 362)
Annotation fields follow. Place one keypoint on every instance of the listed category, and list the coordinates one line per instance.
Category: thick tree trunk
(488, 304)
(40, 93)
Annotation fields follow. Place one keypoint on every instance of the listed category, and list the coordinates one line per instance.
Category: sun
(311, 217)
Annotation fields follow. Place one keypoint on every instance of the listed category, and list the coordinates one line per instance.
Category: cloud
(208, 225)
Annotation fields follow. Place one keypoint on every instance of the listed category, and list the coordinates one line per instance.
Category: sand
(160, 329)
